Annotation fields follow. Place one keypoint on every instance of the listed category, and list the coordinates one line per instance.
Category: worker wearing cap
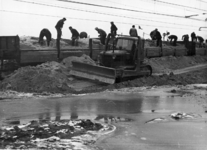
(102, 35)
(193, 37)
(193, 44)
(185, 38)
(75, 36)
(113, 29)
(173, 38)
(59, 27)
(133, 32)
(158, 38)
(155, 35)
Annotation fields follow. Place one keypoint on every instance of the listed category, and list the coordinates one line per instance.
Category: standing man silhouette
(59, 27)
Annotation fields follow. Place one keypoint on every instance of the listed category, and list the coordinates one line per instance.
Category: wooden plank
(168, 50)
(180, 51)
(153, 51)
(201, 51)
(44, 56)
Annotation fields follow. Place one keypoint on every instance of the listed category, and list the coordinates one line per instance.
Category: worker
(193, 37)
(133, 31)
(75, 36)
(193, 44)
(173, 38)
(165, 34)
(83, 35)
(59, 27)
(158, 37)
(153, 35)
(47, 34)
(185, 38)
(200, 40)
(102, 35)
(113, 29)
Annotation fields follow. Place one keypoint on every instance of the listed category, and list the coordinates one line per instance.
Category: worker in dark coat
(45, 33)
(193, 44)
(102, 35)
(83, 35)
(173, 38)
(185, 38)
(193, 37)
(200, 40)
(59, 27)
(159, 38)
(153, 34)
(133, 31)
(75, 36)
(113, 29)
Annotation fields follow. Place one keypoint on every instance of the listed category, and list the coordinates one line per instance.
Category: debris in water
(51, 134)
(182, 115)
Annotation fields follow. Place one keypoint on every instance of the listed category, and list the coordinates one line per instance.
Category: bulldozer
(123, 59)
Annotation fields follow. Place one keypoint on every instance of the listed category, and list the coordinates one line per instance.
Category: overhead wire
(117, 8)
(174, 4)
(81, 19)
(107, 14)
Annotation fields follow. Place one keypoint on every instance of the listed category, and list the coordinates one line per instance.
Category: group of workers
(104, 38)
(75, 34)
(155, 35)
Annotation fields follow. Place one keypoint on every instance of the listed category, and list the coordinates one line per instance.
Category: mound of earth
(55, 77)
(51, 77)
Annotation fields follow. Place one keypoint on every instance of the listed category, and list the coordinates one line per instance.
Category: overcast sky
(29, 17)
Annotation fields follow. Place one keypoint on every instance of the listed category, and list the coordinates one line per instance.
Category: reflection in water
(57, 111)
(108, 110)
(45, 116)
(73, 109)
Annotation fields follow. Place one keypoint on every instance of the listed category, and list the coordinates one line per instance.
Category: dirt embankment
(55, 77)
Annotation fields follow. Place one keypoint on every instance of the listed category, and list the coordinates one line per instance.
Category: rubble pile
(63, 134)
(50, 77)
(37, 79)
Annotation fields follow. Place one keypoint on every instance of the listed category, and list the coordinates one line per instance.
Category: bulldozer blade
(93, 72)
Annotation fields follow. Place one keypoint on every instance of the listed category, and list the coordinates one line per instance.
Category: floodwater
(129, 110)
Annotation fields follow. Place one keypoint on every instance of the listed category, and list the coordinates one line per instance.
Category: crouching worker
(83, 35)
(200, 41)
(173, 38)
(75, 36)
(47, 34)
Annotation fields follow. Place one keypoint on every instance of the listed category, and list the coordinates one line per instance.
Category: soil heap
(54, 77)
(50, 77)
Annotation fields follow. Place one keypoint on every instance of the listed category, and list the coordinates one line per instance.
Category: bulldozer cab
(123, 53)
(126, 44)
